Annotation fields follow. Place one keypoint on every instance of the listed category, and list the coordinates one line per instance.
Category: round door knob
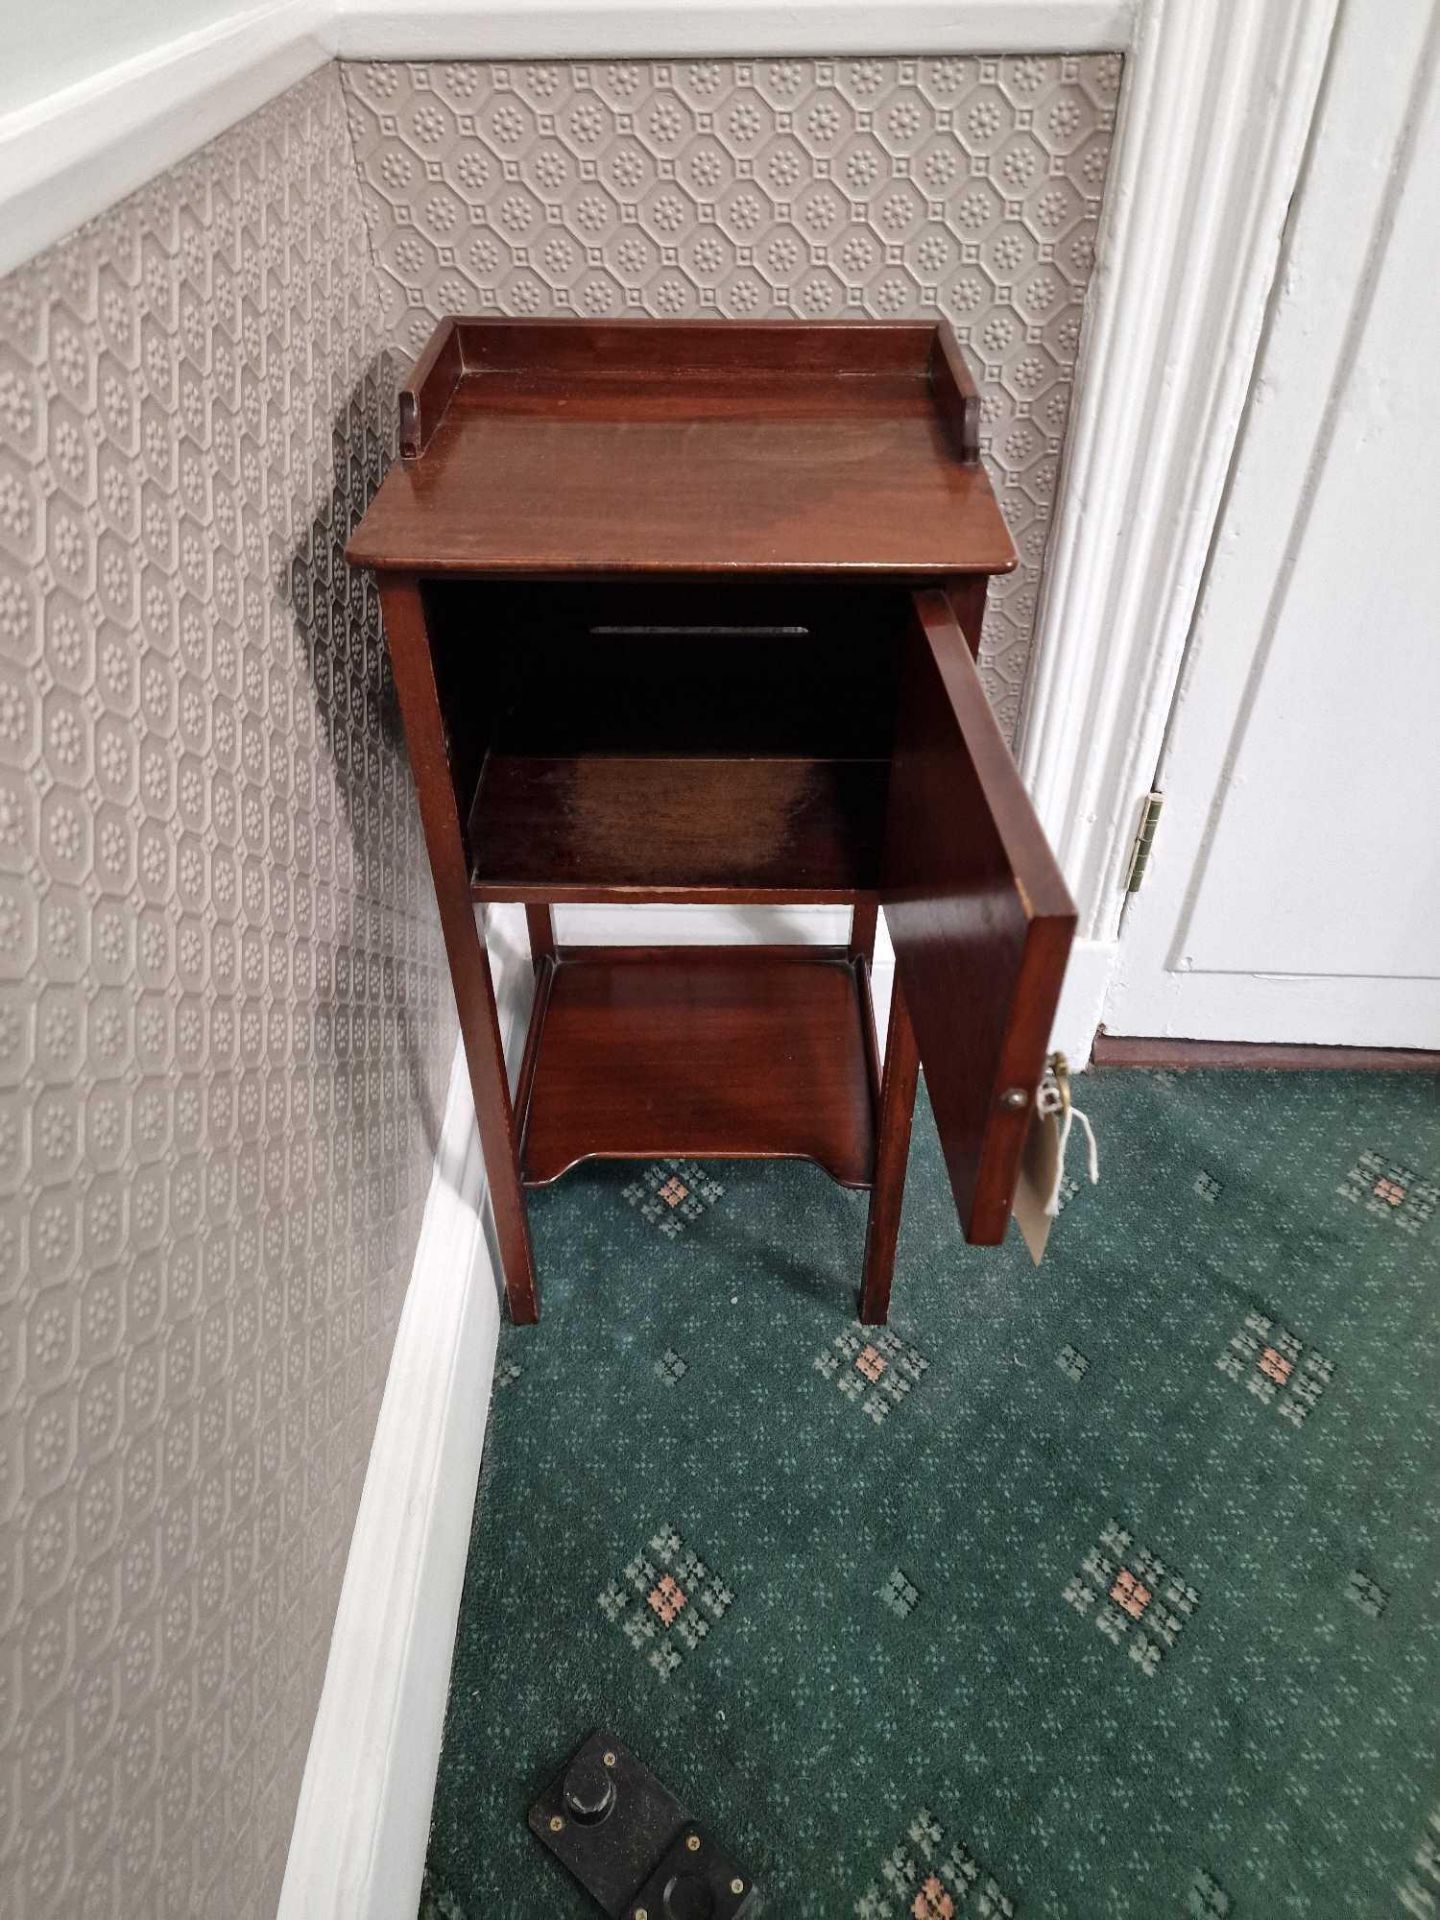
(589, 1789)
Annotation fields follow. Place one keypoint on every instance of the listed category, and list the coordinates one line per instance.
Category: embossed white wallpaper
(965, 189)
(224, 1019)
(224, 1035)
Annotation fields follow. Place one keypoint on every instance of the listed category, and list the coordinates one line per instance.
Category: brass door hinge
(1144, 840)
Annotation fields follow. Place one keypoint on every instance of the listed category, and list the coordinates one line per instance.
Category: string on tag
(1054, 1098)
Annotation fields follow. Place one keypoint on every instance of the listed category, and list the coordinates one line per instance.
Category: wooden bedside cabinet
(687, 612)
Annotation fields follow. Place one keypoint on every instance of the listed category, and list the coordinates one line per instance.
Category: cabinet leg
(541, 929)
(892, 1151)
(464, 946)
(862, 932)
(967, 598)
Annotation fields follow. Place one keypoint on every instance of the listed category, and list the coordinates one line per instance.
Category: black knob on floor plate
(589, 1789)
(688, 1897)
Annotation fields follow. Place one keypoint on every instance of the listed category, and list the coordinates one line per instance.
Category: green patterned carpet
(1111, 1588)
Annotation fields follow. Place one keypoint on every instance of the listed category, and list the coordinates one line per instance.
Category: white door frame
(1380, 86)
(1217, 108)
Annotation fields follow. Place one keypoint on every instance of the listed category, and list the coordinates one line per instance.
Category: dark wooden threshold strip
(1123, 1050)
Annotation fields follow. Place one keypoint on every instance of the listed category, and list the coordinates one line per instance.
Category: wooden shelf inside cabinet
(657, 827)
(704, 1053)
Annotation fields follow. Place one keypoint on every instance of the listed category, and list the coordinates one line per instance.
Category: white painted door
(1293, 893)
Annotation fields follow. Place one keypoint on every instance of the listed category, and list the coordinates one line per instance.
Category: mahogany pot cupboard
(687, 611)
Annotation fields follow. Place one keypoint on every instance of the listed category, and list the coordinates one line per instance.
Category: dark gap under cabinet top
(694, 447)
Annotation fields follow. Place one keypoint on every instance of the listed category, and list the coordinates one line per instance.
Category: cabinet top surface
(560, 447)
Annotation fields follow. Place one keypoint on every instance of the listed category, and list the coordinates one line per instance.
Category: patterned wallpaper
(963, 188)
(223, 1024)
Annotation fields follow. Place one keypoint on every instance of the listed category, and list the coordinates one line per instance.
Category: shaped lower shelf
(705, 1053)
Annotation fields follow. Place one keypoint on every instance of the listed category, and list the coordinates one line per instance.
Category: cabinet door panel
(980, 918)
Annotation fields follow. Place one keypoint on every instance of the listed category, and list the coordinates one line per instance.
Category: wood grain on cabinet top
(561, 447)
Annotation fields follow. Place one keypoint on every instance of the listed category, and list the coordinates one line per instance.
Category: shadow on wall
(336, 611)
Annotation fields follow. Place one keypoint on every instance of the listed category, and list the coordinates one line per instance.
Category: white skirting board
(1082, 999)
(358, 1848)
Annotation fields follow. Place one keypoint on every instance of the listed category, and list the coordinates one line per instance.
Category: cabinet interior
(613, 740)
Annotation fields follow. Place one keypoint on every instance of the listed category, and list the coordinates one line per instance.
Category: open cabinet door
(980, 918)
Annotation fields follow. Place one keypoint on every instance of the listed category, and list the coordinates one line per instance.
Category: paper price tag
(1039, 1170)
(1042, 1165)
